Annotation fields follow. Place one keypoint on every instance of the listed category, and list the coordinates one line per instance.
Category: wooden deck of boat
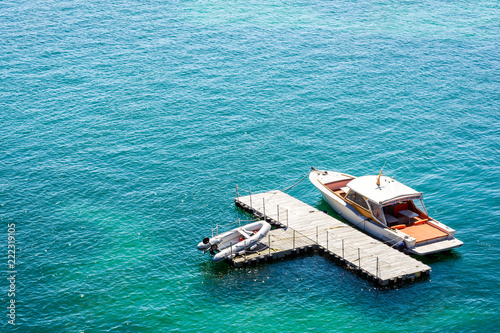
(305, 228)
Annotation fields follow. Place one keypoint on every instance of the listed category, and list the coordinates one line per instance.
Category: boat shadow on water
(323, 206)
(430, 259)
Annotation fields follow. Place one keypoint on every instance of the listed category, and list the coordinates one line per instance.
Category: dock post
(343, 249)
(264, 208)
(327, 241)
(377, 267)
(359, 259)
(269, 243)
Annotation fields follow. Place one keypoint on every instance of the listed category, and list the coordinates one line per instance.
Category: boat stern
(431, 248)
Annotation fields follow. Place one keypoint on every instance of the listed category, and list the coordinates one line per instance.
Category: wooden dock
(279, 243)
(305, 228)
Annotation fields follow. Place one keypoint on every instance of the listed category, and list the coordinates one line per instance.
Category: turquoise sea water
(127, 125)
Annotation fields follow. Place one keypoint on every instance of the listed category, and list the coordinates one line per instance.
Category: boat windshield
(419, 204)
(376, 212)
(357, 198)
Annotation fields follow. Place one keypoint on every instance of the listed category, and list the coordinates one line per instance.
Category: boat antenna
(380, 174)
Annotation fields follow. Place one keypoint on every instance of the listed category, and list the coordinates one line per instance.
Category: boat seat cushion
(399, 226)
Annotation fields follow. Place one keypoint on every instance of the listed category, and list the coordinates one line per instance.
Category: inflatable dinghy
(234, 242)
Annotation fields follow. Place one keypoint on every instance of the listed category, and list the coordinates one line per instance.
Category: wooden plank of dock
(370, 257)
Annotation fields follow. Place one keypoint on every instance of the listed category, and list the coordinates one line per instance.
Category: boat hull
(391, 237)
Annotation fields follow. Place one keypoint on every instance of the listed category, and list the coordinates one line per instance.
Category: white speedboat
(386, 209)
(235, 242)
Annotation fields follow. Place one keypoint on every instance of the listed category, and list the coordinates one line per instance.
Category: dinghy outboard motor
(206, 240)
(213, 249)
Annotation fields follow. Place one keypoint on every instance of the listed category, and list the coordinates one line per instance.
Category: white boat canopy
(388, 192)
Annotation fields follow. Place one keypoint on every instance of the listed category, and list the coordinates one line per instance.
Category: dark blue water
(126, 127)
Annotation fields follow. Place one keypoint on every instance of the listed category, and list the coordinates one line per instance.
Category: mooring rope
(307, 174)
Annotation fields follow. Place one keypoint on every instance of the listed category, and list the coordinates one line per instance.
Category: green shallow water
(127, 126)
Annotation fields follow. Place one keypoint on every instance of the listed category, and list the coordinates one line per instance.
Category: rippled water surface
(127, 125)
